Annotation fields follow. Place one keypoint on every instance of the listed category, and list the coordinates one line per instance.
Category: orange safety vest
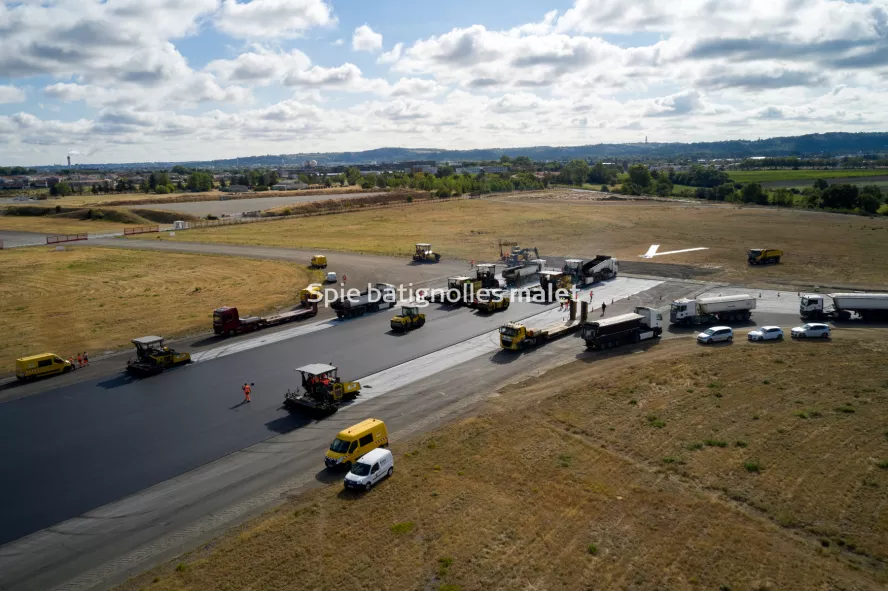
(247, 390)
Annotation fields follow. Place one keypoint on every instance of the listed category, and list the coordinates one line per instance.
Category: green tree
(640, 175)
(61, 189)
(161, 190)
(505, 159)
(753, 193)
(179, 169)
(445, 170)
(161, 179)
(380, 181)
(328, 182)
(121, 186)
(523, 162)
(839, 197)
(782, 198)
(821, 184)
(352, 175)
(723, 192)
(200, 181)
(574, 172)
(870, 199)
(152, 181)
(663, 188)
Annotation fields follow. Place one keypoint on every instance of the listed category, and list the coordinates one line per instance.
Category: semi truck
(516, 336)
(586, 272)
(370, 300)
(869, 306)
(706, 310)
(524, 272)
(227, 320)
(641, 325)
(764, 256)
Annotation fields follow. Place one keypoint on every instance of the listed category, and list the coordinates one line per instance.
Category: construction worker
(603, 308)
(79, 360)
(85, 358)
(71, 361)
(247, 388)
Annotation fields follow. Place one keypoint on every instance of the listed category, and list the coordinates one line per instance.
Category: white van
(370, 469)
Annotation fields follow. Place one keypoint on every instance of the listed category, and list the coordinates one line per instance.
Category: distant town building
(424, 168)
(236, 189)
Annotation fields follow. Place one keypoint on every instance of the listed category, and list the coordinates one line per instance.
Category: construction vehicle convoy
(643, 324)
(707, 310)
(515, 336)
(425, 254)
(586, 272)
(491, 300)
(227, 320)
(321, 390)
(152, 357)
(319, 261)
(370, 300)
(409, 318)
(870, 307)
(764, 256)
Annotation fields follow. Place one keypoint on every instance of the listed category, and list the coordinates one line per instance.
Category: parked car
(716, 334)
(766, 333)
(370, 469)
(811, 330)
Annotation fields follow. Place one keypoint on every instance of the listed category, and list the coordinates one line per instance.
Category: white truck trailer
(707, 310)
(586, 272)
(868, 306)
(643, 324)
(520, 274)
(371, 300)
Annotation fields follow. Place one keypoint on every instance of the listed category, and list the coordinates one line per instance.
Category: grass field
(96, 299)
(674, 469)
(58, 225)
(760, 176)
(826, 249)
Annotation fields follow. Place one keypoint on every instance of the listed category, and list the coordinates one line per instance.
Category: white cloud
(261, 19)
(338, 42)
(365, 39)
(12, 94)
(417, 87)
(260, 66)
(392, 56)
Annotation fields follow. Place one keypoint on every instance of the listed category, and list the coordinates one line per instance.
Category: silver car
(716, 334)
(812, 330)
(766, 333)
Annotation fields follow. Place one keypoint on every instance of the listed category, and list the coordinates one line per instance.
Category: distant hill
(819, 144)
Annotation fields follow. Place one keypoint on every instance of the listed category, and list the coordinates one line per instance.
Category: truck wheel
(231, 333)
(389, 473)
(368, 486)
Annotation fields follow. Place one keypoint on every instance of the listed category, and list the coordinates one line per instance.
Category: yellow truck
(352, 443)
(491, 300)
(319, 261)
(311, 294)
(764, 256)
(44, 364)
(515, 336)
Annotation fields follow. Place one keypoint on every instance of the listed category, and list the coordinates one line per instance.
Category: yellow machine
(515, 336)
(350, 444)
(152, 357)
(492, 300)
(764, 256)
(424, 254)
(409, 318)
(319, 261)
(45, 364)
(313, 293)
(322, 391)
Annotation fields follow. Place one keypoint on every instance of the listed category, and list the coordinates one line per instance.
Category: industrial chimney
(69, 161)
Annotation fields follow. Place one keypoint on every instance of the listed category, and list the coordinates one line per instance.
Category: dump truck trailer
(516, 336)
(706, 310)
(586, 272)
(524, 272)
(641, 325)
(227, 320)
(870, 307)
(371, 300)
(764, 256)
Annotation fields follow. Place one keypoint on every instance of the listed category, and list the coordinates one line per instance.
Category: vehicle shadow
(593, 355)
(331, 476)
(287, 423)
(504, 357)
(121, 379)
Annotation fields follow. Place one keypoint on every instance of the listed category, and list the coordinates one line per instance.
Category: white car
(811, 330)
(766, 333)
(370, 469)
(331, 277)
(716, 334)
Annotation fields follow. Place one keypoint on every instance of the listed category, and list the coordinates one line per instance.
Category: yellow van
(355, 441)
(319, 261)
(45, 364)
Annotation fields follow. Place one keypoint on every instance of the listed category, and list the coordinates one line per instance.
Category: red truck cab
(227, 320)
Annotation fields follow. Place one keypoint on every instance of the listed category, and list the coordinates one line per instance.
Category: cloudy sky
(143, 80)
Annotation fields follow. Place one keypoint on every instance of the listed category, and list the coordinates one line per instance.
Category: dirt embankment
(675, 468)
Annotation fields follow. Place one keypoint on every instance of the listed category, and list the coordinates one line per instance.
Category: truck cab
(227, 320)
(682, 309)
(759, 256)
(810, 305)
(513, 336)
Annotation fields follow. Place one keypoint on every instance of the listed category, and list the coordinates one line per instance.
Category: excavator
(519, 256)
(410, 317)
(321, 390)
(425, 254)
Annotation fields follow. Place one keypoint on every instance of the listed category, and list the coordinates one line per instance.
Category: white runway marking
(386, 381)
(652, 251)
(259, 341)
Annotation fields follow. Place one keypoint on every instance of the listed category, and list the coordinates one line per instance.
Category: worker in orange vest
(247, 388)
(79, 360)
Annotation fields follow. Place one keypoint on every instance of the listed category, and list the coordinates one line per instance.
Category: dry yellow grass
(95, 299)
(820, 248)
(57, 225)
(566, 482)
